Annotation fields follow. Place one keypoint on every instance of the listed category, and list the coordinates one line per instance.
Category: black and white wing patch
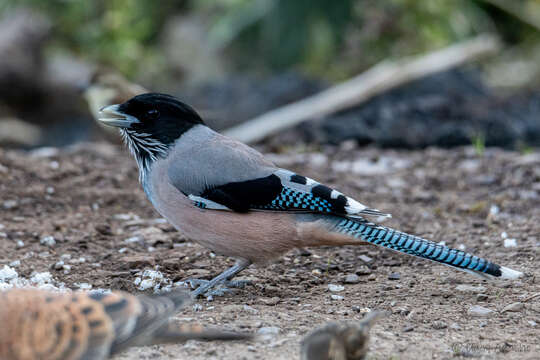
(281, 191)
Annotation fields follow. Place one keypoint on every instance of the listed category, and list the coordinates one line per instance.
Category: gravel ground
(77, 218)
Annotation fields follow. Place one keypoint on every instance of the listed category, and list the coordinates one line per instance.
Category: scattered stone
(15, 263)
(133, 239)
(455, 326)
(532, 323)
(59, 265)
(363, 270)
(335, 288)
(365, 259)
(352, 279)
(47, 241)
(470, 288)
(514, 307)
(482, 297)
(250, 309)
(104, 229)
(10, 204)
(408, 328)
(510, 243)
(270, 301)
(83, 286)
(7, 273)
(394, 276)
(138, 261)
(67, 269)
(479, 311)
(336, 297)
(439, 325)
(316, 272)
(20, 244)
(269, 330)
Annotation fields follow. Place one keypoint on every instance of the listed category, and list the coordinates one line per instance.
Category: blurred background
(236, 59)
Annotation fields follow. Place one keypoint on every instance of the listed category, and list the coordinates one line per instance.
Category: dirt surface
(106, 234)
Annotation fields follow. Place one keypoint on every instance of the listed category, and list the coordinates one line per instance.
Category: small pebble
(336, 297)
(269, 330)
(48, 241)
(439, 325)
(514, 307)
(335, 288)
(365, 258)
(509, 243)
(352, 279)
(479, 311)
(20, 243)
(532, 323)
(270, 301)
(408, 328)
(470, 288)
(10, 204)
(394, 276)
(363, 270)
(59, 265)
(15, 263)
(482, 297)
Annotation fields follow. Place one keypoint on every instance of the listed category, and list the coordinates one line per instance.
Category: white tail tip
(507, 273)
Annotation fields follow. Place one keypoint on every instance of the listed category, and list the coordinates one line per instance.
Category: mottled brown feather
(38, 324)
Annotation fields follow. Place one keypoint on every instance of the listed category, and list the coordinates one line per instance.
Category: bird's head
(150, 123)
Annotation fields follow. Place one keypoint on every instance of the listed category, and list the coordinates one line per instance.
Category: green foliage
(332, 39)
(479, 144)
(340, 38)
(116, 32)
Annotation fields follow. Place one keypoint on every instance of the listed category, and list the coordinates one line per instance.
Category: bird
(46, 325)
(229, 198)
(340, 341)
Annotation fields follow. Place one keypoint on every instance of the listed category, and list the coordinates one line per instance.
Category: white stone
(510, 243)
(335, 288)
(48, 241)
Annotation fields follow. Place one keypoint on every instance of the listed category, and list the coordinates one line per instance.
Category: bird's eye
(152, 114)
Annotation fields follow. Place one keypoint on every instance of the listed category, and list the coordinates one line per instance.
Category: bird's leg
(223, 278)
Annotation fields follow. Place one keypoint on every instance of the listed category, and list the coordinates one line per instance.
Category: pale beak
(110, 115)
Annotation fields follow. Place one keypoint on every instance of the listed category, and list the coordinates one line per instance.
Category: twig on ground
(380, 78)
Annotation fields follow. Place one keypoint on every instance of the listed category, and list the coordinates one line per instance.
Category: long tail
(414, 245)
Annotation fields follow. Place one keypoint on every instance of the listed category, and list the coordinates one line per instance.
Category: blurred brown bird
(37, 324)
(336, 341)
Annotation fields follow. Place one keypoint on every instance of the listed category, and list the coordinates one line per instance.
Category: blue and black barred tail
(414, 245)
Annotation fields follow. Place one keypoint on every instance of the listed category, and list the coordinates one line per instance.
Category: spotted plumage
(37, 324)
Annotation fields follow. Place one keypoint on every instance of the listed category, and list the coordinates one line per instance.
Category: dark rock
(446, 109)
(394, 276)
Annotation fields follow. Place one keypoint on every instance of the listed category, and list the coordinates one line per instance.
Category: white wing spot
(334, 194)
(310, 182)
(353, 206)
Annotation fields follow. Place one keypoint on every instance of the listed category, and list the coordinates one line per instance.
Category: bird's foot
(209, 289)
